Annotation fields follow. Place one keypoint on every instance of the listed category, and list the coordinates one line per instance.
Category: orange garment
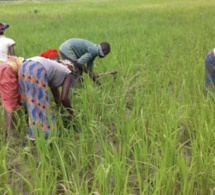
(9, 89)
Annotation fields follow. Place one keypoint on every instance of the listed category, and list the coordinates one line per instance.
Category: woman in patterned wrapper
(36, 76)
(6, 44)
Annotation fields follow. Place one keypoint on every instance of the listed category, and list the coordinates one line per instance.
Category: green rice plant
(149, 131)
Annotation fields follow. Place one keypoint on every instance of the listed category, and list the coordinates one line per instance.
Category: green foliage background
(150, 131)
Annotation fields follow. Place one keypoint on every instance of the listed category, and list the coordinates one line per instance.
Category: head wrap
(50, 53)
(3, 27)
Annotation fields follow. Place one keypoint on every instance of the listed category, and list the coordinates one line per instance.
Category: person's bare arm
(65, 93)
(82, 67)
(56, 96)
(11, 50)
(92, 75)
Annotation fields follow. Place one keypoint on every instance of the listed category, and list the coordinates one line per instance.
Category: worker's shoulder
(6, 39)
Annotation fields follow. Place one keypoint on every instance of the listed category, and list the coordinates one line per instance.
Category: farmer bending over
(35, 76)
(82, 52)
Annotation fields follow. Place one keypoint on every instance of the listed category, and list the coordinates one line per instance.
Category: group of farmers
(26, 81)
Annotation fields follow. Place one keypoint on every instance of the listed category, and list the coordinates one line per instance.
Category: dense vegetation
(149, 131)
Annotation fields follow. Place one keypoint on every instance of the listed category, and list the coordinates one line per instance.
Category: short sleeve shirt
(56, 72)
(5, 43)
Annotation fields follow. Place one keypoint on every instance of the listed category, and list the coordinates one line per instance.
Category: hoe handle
(108, 73)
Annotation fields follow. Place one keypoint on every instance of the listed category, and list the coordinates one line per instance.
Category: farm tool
(108, 73)
(105, 74)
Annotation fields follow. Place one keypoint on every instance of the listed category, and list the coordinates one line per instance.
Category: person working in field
(82, 52)
(35, 77)
(6, 44)
(9, 89)
(210, 71)
(52, 54)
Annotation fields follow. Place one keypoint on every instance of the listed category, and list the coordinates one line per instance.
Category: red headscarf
(50, 53)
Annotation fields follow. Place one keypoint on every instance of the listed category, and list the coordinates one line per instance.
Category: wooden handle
(108, 73)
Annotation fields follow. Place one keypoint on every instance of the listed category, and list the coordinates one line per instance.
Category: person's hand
(94, 76)
(98, 83)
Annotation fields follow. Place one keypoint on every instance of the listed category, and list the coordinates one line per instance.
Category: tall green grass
(150, 131)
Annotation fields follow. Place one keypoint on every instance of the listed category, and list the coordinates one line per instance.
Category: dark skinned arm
(11, 50)
(65, 92)
(82, 67)
(56, 96)
(92, 75)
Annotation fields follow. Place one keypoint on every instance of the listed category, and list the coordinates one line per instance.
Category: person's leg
(9, 123)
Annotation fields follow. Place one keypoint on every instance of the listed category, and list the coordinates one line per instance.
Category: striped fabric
(35, 96)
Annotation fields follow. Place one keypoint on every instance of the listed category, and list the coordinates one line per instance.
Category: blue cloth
(210, 70)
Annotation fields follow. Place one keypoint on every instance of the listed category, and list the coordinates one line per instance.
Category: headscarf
(50, 53)
(3, 27)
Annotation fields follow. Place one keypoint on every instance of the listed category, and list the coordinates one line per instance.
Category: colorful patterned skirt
(210, 70)
(35, 96)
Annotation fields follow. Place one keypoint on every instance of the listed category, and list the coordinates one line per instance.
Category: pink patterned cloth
(9, 89)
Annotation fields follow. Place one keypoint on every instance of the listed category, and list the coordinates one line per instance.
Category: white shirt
(5, 43)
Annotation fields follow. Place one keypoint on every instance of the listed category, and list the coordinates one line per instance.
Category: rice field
(149, 131)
